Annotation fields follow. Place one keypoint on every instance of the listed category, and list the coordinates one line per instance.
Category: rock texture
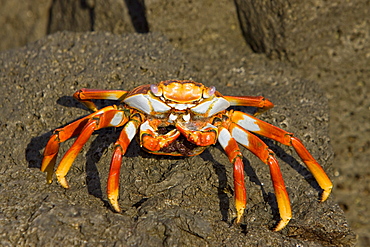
(324, 42)
(328, 42)
(167, 201)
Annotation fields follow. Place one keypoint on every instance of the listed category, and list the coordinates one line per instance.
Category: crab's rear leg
(261, 150)
(260, 102)
(126, 136)
(107, 117)
(86, 95)
(265, 129)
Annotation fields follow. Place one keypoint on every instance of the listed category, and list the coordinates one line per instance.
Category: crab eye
(155, 90)
(209, 92)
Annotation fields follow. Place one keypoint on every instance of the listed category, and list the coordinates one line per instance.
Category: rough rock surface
(166, 201)
(326, 41)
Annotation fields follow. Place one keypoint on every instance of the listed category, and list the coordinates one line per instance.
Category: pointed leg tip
(117, 209)
(324, 195)
(281, 225)
(63, 182)
(114, 204)
(240, 204)
(239, 216)
(49, 177)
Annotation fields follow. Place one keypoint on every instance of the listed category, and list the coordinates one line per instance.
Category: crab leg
(71, 154)
(265, 129)
(126, 136)
(86, 95)
(256, 101)
(60, 135)
(232, 150)
(107, 117)
(261, 150)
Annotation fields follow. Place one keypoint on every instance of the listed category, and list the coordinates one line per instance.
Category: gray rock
(22, 22)
(166, 201)
(328, 42)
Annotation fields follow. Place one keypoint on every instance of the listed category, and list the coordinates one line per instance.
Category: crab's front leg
(261, 150)
(232, 150)
(125, 138)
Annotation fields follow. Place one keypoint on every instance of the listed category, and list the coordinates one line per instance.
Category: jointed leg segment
(107, 117)
(86, 95)
(126, 136)
(52, 147)
(232, 150)
(261, 150)
(265, 129)
(314, 167)
(260, 102)
(73, 151)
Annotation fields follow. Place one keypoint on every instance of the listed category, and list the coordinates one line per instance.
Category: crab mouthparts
(179, 147)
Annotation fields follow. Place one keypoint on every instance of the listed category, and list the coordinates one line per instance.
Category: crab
(182, 118)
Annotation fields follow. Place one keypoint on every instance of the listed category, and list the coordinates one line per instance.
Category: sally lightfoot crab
(181, 118)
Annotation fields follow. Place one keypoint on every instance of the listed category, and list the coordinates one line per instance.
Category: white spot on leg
(117, 119)
(240, 136)
(130, 130)
(224, 137)
(249, 123)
